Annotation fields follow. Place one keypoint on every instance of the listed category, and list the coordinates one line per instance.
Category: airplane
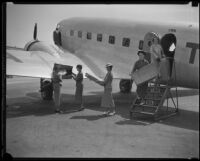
(93, 42)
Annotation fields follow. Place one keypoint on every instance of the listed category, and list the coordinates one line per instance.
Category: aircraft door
(148, 41)
(168, 43)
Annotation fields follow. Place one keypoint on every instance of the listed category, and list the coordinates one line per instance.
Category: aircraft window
(80, 34)
(111, 39)
(126, 42)
(89, 35)
(99, 37)
(141, 44)
(71, 32)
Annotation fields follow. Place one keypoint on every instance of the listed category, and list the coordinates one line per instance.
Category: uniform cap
(109, 65)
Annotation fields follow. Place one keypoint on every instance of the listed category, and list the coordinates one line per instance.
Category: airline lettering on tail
(194, 47)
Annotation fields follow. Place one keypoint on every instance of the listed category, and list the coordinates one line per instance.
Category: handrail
(176, 84)
(170, 58)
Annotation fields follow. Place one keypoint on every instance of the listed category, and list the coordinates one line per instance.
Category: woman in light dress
(107, 98)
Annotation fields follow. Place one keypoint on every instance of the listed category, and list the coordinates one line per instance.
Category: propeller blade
(35, 32)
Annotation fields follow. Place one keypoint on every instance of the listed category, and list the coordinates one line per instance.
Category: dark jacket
(139, 64)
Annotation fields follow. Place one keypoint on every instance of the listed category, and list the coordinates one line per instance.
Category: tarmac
(33, 129)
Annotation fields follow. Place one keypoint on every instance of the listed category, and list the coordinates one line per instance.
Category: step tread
(163, 87)
(144, 112)
(146, 105)
(153, 99)
(161, 92)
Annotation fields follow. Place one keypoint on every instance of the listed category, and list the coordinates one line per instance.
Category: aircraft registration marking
(172, 30)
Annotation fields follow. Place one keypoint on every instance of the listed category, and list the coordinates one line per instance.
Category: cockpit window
(141, 44)
(58, 26)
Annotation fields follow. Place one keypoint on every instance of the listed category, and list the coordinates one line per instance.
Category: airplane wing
(39, 63)
(27, 63)
(97, 63)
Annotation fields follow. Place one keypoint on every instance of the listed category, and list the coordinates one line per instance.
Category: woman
(107, 98)
(79, 86)
(156, 54)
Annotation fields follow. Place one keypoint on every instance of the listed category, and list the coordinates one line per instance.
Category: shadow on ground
(89, 117)
(32, 104)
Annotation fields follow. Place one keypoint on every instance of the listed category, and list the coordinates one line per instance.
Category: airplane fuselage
(97, 42)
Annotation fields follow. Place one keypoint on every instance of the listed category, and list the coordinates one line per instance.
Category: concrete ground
(34, 130)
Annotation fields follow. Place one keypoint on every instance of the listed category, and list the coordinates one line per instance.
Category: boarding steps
(153, 103)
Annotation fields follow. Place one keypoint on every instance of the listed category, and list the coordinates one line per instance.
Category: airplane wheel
(125, 85)
(46, 90)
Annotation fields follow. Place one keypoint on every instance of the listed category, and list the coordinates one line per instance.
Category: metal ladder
(154, 100)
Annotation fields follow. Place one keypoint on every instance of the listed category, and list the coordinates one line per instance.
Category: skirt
(57, 94)
(107, 98)
(79, 94)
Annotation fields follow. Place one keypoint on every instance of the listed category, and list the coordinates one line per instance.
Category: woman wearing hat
(141, 88)
(107, 98)
(156, 54)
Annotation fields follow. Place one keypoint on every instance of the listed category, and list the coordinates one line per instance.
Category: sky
(20, 18)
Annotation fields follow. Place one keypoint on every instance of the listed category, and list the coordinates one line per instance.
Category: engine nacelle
(29, 44)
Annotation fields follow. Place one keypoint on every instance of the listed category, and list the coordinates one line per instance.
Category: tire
(46, 90)
(125, 85)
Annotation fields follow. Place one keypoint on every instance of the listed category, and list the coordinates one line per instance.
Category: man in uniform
(141, 88)
(57, 83)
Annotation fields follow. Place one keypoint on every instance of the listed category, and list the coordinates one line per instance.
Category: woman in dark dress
(79, 86)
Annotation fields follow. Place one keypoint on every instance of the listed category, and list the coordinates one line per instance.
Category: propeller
(35, 32)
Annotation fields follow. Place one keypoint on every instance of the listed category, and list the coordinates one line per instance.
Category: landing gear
(46, 89)
(125, 85)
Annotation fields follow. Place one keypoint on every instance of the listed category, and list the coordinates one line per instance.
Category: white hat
(109, 65)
